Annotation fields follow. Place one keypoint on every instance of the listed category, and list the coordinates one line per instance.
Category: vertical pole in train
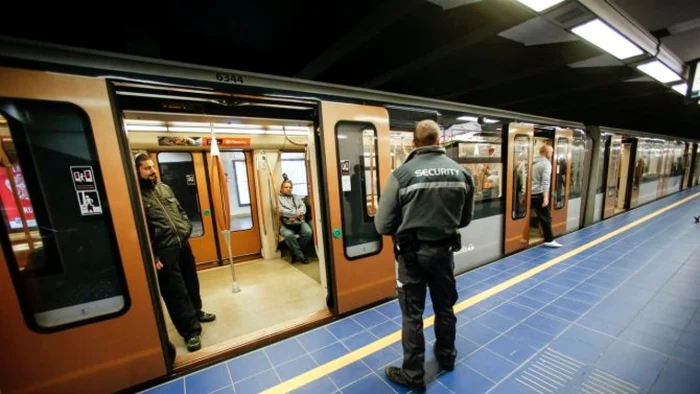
(223, 219)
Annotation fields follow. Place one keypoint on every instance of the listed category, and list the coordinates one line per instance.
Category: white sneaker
(553, 244)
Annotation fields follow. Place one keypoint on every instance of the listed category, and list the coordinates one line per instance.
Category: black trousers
(179, 287)
(435, 268)
(543, 213)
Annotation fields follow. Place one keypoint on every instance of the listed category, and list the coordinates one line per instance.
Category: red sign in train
(14, 219)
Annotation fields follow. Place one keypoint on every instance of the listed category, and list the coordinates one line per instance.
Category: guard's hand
(545, 202)
(158, 265)
(300, 215)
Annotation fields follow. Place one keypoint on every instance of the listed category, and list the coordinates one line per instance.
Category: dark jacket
(168, 224)
(430, 193)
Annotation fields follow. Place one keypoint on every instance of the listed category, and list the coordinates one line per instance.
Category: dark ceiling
(445, 49)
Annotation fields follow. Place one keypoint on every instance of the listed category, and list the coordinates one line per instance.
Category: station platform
(616, 310)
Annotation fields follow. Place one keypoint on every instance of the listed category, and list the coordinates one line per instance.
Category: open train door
(357, 163)
(614, 151)
(561, 173)
(77, 309)
(518, 185)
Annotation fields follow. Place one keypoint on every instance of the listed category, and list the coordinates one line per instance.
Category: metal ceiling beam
(388, 12)
(497, 22)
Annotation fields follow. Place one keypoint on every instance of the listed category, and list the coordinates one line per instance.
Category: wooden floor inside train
(273, 292)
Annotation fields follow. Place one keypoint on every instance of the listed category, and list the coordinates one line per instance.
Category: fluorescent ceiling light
(659, 71)
(540, 5)
(475, 119)
(145, 128)
(681, 88)
(604, 37)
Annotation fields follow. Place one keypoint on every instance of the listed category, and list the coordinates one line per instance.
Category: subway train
(79, 298)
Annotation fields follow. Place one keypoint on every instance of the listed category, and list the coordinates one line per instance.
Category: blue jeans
(296, 247)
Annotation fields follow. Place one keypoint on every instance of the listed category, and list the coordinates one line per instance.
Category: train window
(401, 147)
(177, 171)
(236, 169)
(359, 197)
(601, 160)
(68, 272)
(560, 161)
(481, 155)
(578, 155)
(294, 165)
(613, 173)
(521, 154)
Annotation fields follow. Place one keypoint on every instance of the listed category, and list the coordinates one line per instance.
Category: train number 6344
(230, 78)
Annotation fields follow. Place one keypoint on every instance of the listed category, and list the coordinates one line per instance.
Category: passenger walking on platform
(424, 204)
(292, 216)
(169, 229)
(541, 175)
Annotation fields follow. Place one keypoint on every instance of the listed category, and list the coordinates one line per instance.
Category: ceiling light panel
(604, 37)
(681, 88)
(659, 71)
(540, 5)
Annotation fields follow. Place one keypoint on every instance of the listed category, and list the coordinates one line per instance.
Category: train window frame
(527, 197)
(577, 142)
(566, 165)
(196, 187)
(238, 185)
(38, 196)
(302, 160)
(362, 126)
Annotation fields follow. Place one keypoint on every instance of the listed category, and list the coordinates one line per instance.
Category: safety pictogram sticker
(86, 190)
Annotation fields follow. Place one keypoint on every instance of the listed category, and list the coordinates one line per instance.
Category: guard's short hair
(544, 148)
(427, 132)
(139, 158)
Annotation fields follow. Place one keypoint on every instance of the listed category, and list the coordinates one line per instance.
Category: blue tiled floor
(622, 316)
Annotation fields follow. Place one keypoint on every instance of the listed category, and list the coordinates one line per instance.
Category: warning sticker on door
(86, 190)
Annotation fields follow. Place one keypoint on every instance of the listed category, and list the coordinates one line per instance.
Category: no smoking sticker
(86, 190)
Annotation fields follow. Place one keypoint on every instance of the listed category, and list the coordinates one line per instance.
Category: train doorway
(524, 142)
(235, 194)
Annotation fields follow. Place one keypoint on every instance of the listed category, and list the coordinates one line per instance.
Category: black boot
(397, 376)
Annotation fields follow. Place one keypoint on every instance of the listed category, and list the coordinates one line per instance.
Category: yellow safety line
(332, 366)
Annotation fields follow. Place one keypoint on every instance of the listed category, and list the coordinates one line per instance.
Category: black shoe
(205, 317)
(193, 343)
(305, 261)
(444, 364)
(397, 376)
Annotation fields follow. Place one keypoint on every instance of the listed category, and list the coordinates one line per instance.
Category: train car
(78, 288)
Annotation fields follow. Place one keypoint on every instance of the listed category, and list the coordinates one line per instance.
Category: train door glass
(561, 158)
(696, 172)
(622, 178)
(177, 171)
(236, 170)
(68, 272)
(578, 155)
(522, 153)
(357, 150)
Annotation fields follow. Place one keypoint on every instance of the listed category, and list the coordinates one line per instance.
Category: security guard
(424, 204)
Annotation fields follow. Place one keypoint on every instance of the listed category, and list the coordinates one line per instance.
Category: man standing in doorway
(169, 229)
(541, 175)
(424, 204)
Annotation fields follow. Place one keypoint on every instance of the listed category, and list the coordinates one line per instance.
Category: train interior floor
(272, 292)
(617, 309)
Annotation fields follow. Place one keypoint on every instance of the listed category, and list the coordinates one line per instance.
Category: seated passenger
(293, 222)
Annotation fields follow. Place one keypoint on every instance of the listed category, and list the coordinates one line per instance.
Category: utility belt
(407, 245)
